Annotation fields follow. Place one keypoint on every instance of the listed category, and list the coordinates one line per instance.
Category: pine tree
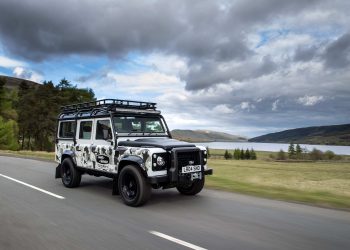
(208, 152)
(236, 154)
(247, 154)
(298, 152)
(291, 151)
(242, 156)
(252, 154)
(226, 155)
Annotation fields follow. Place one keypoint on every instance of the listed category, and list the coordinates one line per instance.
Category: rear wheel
(133, 188)
(71, 177)
(193, 188)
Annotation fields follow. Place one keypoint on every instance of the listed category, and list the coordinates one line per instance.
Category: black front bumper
(165, 179)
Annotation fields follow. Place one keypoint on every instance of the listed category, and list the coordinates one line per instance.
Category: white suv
(130, 142)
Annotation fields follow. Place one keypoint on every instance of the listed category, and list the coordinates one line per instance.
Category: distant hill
(205, 136)
(328, 135)
(13, 82)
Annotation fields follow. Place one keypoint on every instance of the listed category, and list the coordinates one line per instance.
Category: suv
(130, 142)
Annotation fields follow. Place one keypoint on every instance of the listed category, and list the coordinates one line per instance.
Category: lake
(273, 147)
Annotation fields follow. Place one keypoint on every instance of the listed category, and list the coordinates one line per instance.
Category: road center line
(181, 242)
(33, 187)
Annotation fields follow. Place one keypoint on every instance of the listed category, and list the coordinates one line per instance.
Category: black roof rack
(104, 107)
(108, 105)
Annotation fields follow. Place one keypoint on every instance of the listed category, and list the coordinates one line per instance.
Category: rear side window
(85, 130)
(66, 129)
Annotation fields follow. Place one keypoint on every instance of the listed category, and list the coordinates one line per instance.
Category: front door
(103, 145)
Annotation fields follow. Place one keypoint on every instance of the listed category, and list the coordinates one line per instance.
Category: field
(319, 183)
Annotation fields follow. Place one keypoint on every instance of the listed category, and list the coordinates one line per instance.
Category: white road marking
(181, 242)
(33, 187)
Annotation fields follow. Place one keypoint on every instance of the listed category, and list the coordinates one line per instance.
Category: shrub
(328, 155)
(316, 155)
(281, 155)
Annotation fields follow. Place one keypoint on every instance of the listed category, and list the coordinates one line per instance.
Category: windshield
(138, 124)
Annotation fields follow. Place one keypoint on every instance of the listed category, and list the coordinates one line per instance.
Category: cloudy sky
(245, 67)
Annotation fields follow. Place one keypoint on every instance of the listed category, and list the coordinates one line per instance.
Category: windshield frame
(164, 125)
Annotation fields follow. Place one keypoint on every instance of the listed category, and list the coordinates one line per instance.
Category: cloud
(9, 63)
(275, 105)
(310, 100)
(21, 72)
(337, 53)
(239, 65)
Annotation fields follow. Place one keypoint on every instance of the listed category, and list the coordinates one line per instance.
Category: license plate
(190, 169)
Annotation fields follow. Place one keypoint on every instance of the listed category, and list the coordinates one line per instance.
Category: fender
(134, 159)
(70, 154)
(66, 153)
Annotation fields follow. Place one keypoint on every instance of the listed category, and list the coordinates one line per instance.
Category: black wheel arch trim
(135, 160)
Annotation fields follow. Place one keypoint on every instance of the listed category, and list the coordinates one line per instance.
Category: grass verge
(324, 184)
(30, 154)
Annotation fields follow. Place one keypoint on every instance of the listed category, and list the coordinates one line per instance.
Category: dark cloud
(337, 54)
(210, 31)
(230, 65)
(305, 54)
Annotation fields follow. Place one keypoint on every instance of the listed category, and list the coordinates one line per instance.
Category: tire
(70, 176)
(133, 188)
(192, 189)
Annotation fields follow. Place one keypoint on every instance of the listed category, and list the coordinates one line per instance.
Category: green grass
(30, 154)
(320, 183)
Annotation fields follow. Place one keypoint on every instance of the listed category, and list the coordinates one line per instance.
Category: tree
(8, 134)
(316, 154)
(247, 154)
(281, 155)
(241, 155)
(298, 152)
(227, 155)
(329, 155)
(291, 151)
(237, 154)
(252, 154)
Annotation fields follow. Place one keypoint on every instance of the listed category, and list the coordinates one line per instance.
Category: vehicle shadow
(103, 187)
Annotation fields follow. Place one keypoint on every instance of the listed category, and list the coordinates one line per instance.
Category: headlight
(160, 161)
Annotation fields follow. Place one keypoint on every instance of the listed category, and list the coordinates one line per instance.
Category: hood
(164, 143)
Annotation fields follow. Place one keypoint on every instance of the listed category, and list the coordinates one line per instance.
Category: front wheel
(133, 188)
(193, 188)
(71, 177)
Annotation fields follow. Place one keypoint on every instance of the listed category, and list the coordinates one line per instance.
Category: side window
(103, 130)
(66, 129)
(85, 130)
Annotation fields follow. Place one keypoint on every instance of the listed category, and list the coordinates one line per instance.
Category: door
(83, 149)
(103, 145)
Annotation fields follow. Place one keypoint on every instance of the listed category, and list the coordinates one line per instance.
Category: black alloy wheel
(133, 187)
(71, 177)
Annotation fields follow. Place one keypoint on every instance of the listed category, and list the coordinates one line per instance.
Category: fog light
(160, 161)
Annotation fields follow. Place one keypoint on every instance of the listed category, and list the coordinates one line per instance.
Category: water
(273, 147)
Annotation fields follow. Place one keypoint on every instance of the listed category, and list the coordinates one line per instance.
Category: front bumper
(165, 179)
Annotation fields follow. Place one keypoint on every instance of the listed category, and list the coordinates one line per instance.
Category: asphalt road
(89, 217)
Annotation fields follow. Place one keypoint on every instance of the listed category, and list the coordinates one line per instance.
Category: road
(89, 217)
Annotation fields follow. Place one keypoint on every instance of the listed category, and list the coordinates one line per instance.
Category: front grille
(184, 158)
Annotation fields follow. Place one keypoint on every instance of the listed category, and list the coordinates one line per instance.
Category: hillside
(328, 135)
(13, 82)
(205, 136)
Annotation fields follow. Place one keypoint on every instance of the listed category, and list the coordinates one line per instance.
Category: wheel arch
(135, 161)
